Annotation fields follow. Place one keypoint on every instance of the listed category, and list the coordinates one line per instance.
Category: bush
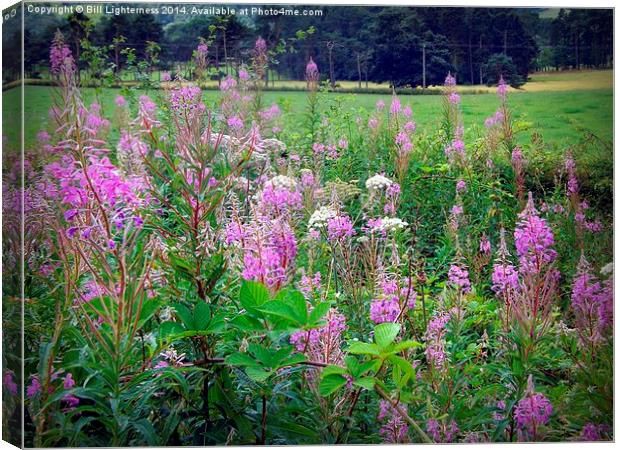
(499, 65)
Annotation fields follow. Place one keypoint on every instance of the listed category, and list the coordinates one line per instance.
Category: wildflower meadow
(227, 272)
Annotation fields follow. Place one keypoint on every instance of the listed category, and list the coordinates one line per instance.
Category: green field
(556, 113)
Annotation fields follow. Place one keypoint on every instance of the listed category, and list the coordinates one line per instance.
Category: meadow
(558, 106)
(243, 266)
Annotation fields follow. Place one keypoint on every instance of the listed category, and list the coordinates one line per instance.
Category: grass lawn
(552, 113)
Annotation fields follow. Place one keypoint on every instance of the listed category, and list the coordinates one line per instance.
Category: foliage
(209, 273)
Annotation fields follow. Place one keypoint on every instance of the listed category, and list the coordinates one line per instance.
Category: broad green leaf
(385, 333)
(241, 359)
(366, 383)
(257, 374)
(278, 308)
(352, 364)
(318, 312)
(148, 310)
(264, 355)
(293, 360)
(299, 307)
(331, 383)
(253, 294)
(280, 355)
(217, 324)
(403, 370)
(247, 323)
(404, 345)
(202, 316)
(364, 348)
(168, 329)
(331, 370)
(184, 314)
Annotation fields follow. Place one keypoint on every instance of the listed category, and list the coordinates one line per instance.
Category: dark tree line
(581, 38)
(401, 46)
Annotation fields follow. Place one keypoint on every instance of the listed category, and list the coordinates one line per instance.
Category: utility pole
(330, 48)
(424, 65)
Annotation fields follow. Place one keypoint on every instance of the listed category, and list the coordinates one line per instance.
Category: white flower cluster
(319, 218)
(378, 183)
(282, 182)
(607, 269)
(391, 224)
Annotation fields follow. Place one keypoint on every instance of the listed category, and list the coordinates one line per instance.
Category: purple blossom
(312, 71)
(323, 344)
(504, 277)
(572, 185)
(450, 80)
(533, 240)
(458, 276)
(394, 430)
(9, 383)
(592, 303)
(454, 98)
(260, 46)
(120, 101)
(485, 245)
(410, 126)
(533, 411)
(61, 59)
(186, 99)
(591, 432)
(228, 84)
(34, 388)
(441, 433)
(202, 49)
(502, 89)
(339, 228)
(235, 123)
(435, 345)
(385, 309)
(395, 106)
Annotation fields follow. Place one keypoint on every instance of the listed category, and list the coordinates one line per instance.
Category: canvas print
(286, 224)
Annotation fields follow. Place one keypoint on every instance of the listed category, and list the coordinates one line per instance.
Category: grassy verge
(556, 115)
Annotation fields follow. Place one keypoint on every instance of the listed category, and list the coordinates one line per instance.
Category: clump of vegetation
(228, 274)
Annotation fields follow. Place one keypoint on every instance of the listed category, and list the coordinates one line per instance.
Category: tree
(501, 66)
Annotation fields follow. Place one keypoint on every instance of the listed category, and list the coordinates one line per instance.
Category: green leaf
(257, 374)
(318, 312)
(263, 354)
(385, 333)
(331, 383)
(331, 370)
(247, 323)
(241, 359)
(280, 309)
(299, 307)
(217, 324)
(148, 310)
(253, 294)
(168, 329)
(403, 370)
(366, 383)
(293, 360)
(404, 345)
(184, 314)
(352, 364)
(364, 348)
(202, 316)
